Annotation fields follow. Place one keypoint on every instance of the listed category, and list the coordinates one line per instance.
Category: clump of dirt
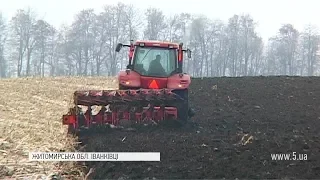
(241, 122)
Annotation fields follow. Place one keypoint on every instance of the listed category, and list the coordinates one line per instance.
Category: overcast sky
(270, 14)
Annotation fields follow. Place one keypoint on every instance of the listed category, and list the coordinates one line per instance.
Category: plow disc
(95, 108)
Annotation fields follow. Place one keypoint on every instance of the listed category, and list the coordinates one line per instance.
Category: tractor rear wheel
(121, 87)
(71, 130)
(183, 106)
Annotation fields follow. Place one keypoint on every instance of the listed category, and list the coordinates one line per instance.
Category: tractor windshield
(155, 61)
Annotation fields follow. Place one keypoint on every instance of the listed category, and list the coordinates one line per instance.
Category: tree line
(30, 46)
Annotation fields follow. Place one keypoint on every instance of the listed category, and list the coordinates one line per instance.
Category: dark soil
(278, 114)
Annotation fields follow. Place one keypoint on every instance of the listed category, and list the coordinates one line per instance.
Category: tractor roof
(157, 43)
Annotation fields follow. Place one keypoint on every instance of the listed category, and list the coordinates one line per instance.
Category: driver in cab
(156, 67)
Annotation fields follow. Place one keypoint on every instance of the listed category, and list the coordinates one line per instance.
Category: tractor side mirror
(119, 46)
(189, 53)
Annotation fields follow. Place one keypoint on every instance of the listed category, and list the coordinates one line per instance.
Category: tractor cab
(154, 65)
(154, 61)
(154, 58)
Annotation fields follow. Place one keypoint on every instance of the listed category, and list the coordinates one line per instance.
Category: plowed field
(241, 122)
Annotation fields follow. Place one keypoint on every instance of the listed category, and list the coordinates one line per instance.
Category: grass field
(30, 120)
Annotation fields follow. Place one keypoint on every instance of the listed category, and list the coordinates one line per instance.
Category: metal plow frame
(141, 106)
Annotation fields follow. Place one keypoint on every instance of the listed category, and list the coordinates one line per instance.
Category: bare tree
(156, 25)
(87, 46)
(64, 50)
(23, 27)
(82, 39)
(309, 48)
(288, 39)
(3, 38)
(177, 30)
(233, 43)
(44, 38)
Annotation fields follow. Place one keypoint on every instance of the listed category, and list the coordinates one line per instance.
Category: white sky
(270, 14)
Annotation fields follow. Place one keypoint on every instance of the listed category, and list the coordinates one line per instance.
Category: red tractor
(153, 88)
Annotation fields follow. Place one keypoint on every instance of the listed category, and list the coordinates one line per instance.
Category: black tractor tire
(71, 130)
(183, 106)
(183, 112)
(121, 87)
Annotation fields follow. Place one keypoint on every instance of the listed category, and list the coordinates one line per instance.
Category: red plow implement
(142, 106)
